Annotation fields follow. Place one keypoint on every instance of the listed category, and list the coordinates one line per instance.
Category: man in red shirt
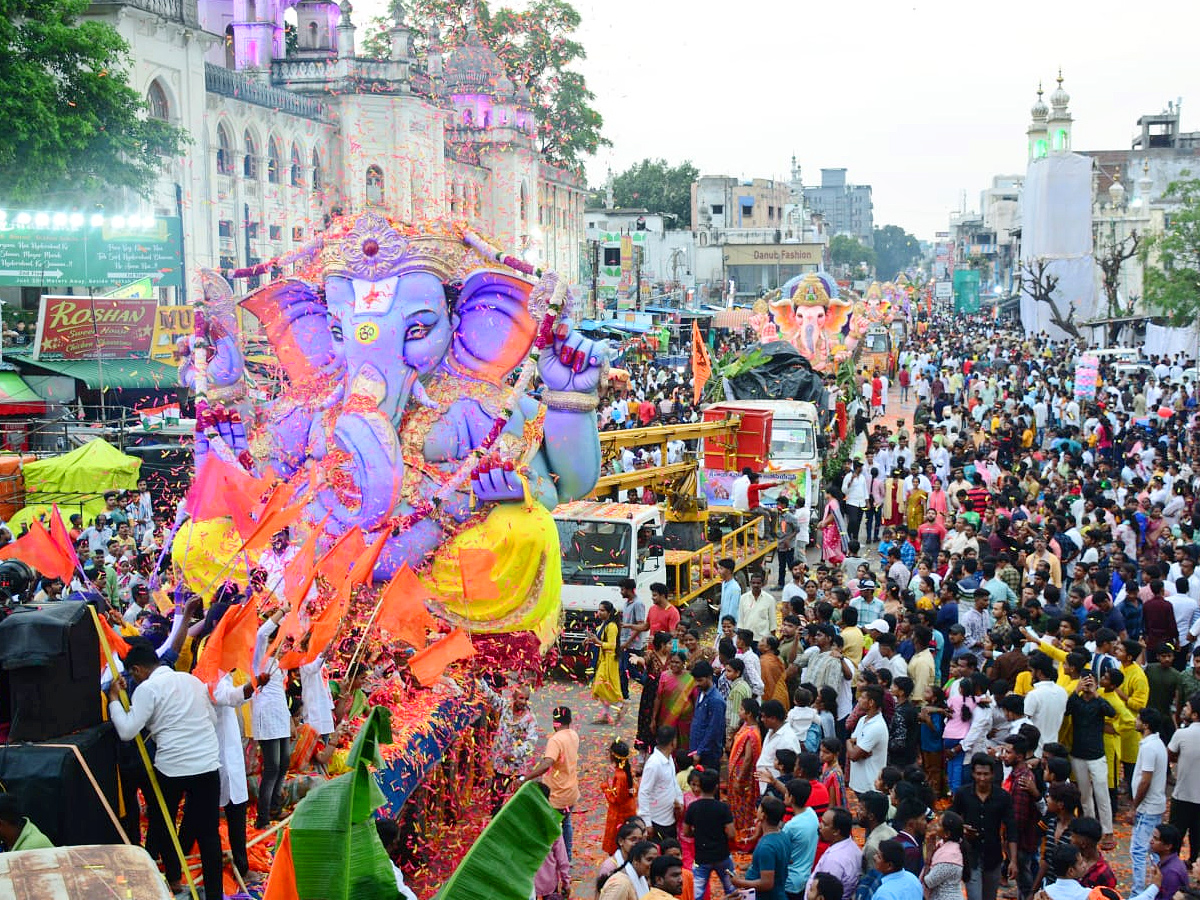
(646, 411)
(661, 616)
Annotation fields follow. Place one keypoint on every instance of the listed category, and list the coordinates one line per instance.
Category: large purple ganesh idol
(409, 353)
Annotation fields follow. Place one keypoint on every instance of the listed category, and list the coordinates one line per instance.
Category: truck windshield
(792, 440)
(594, 552)
(876, 342)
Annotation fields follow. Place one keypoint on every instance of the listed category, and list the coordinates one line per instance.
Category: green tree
(895, 250)
(1172, 282)
(537, 47)
(658, 187)
(845, 250)
(75, 128)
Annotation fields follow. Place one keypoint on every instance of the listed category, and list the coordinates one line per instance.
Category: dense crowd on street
(973, 670)
(983, 676)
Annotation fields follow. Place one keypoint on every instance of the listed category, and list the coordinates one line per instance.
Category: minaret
(1059, 124)
(1038, 138)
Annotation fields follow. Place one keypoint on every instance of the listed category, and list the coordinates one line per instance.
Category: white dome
(1039, 110)
(1060, 98)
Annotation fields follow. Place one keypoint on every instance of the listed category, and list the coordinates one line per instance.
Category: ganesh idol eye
(335, 331)
(416, 332)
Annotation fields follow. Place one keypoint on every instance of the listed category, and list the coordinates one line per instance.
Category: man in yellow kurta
(1122, 722)
(1135, 693)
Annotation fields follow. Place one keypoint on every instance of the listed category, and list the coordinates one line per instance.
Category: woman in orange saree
(743, 788)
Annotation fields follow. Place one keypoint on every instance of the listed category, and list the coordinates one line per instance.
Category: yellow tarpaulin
(76, 481)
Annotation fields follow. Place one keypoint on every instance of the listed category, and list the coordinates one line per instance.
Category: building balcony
(321, 73)
(182, 11)
(247, 88)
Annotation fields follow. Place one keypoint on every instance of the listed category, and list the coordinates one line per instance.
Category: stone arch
(225, 153)
(158, 101)
(274, 161)
(252, 149)
(375, 184)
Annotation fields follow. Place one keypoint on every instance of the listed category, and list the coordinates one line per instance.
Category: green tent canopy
(76, 481)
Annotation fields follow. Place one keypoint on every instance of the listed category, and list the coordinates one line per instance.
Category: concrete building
(771, 237)
(1128, 188)
(846, 208)
(665, 257)
(282, 140)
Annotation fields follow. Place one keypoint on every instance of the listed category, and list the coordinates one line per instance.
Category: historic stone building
(283, 137)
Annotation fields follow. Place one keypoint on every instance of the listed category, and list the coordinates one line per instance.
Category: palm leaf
(336, 851)
(502, 862)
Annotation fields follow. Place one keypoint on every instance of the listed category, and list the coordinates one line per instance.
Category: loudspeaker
(54, 788)
(51, 660)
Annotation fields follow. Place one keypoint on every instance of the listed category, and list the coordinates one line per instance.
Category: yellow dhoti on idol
(526, 570)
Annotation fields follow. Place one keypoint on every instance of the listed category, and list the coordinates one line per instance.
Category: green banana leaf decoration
(502, 862)
(336, 851)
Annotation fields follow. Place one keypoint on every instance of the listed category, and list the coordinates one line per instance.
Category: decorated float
(413, 465)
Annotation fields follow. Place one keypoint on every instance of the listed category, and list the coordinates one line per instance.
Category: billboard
(52, 252)
(170, 324)
(773, 254)
(93, 327)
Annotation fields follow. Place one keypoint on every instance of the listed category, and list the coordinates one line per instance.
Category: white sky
(921, 99)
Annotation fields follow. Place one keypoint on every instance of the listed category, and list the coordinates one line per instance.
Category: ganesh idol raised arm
(400, 344)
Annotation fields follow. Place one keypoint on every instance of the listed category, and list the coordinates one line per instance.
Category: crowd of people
(986, 663)
(982, 673)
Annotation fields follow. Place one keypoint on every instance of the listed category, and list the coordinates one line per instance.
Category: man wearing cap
(560, 765)
(707, 737)
(868, 608)
(874, 659)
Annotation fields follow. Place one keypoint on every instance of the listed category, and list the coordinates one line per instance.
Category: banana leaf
(336, 851)
(502, 862)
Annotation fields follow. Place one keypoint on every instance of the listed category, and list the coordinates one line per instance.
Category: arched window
(375, 185)
(224, 151)
(524, 203)
(274, 162)
(250, 160)
(297, 174)
(317, 180)
(160, 108)
(313, 41)
(230, 53)
(468, 117)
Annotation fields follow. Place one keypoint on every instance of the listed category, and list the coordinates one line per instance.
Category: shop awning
(17, 398)
(111, 374)
(738, 317)
(629, 327)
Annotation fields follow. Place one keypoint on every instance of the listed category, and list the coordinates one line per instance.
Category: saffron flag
(37, 549)
(301, 571)
(701, 364)
(281, 882)
(476, 567)
(337, 562)
(62, 537)
(276, 516)
(116, 643)
(221, 489)
(402, 611)
(230, 646)
(428, 665)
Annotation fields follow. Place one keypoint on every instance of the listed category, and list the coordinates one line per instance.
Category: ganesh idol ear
(837, 316)
(494, 330)
(297, 326)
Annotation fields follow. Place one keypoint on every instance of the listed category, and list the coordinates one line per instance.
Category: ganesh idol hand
(496, 481)
(572, 362)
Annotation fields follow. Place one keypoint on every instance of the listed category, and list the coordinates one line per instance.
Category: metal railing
(247, 88)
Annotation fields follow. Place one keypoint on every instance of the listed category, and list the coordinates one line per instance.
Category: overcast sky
(922, 100)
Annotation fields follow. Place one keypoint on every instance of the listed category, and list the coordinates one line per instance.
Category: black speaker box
(54, 788)
(51, 662)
